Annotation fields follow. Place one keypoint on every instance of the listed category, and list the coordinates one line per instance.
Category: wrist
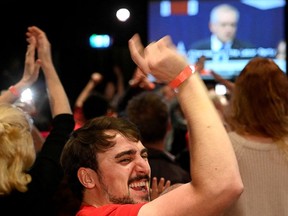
(181, 77)
(15, 91)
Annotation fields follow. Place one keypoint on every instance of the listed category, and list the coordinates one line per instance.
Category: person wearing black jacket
(151, 115)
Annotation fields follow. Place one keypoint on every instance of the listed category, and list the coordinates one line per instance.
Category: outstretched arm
(95, 79)
(216, 180)
(46, 170)
(58, 99)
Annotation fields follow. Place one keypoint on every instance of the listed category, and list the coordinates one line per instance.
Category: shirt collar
(217, 45)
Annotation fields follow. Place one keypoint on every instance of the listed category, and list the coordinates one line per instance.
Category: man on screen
(223, 27)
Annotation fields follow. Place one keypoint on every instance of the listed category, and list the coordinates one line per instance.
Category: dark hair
(151, 115)
(95, 105)
(84, 144)
(259, 104)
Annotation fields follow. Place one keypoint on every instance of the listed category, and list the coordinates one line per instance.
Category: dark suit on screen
(205, 44)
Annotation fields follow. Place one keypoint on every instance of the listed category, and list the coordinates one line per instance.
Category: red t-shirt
(110, 210)
(78, 117)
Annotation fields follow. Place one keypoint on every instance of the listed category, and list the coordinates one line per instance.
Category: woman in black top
(28, 193)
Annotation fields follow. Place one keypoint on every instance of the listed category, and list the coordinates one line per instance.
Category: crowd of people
(120, 152)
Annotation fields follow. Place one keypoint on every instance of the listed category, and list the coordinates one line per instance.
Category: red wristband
(182, 76)
(14, 91)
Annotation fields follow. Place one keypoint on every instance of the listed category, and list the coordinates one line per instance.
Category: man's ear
(211, 27)
(87, 177)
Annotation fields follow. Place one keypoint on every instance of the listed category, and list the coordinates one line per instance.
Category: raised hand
(157, 189)
(140, 79)
(31, 69)
(156, 58)
(30, 74)
(43, 46)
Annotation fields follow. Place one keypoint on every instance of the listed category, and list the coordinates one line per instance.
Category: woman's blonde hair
(17, 152)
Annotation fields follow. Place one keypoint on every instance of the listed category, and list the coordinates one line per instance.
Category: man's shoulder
(201, 44)
(240, 44)
(162, 165)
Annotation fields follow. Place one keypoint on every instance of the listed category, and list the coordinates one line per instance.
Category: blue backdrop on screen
(264, 28)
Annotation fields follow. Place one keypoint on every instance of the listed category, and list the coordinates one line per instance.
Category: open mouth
(139, 186)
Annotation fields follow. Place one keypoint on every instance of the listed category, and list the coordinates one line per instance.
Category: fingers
(39, 35)
(137, 53)
(146, 84)
(166, 42)
(200, 63)
(42, 44)
(137, 77)
(167, 184)
(154, 184)
(155, 58)
(30, 53)
(31, 69)
(34, 30)
(141, 80)
(154, 189)
(157, 189)
(163, 185)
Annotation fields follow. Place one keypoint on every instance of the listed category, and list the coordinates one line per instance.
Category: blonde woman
(28, 182)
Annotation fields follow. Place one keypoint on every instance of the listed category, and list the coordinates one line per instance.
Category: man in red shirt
(107, 166)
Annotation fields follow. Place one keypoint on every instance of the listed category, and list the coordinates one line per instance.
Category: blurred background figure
(258, 118)
(151, 115)
(91, 103)
(281, 50)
